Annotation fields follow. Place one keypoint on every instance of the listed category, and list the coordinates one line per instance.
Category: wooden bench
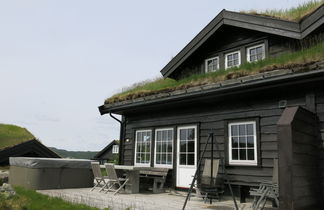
(158, 175)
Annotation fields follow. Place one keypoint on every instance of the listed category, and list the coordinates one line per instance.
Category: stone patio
(141, 201)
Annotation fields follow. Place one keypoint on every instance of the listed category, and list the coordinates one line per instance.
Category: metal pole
(195, 176)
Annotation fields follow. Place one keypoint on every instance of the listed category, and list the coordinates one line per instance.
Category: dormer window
(211, 64)
(232, 59)
(255, 53)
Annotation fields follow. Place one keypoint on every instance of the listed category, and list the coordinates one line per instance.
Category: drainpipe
(121, 138)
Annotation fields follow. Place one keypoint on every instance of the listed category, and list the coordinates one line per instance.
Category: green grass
(160, 85)
(31, 200)
(291, 14)
(11, 135)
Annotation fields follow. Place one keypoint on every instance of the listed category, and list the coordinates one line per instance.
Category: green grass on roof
(11, 135)
(286, 61)
(291, 14)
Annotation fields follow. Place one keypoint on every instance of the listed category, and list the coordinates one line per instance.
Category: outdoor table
(132, 174)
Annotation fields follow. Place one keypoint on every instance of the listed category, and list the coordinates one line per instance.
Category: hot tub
(50, 173)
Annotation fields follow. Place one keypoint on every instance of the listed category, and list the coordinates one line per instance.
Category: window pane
(230, 57)
(191, 159)
(242, 142)
(158, 161)
(164, 146)
(234, 142)
(170, 135)
(147, 158)
(183, 146)
(191, 134)
(252, 51)
(250, 154)
(249, 128)
(234, 130)
(139, 137)
(191, 146)
(259, 50)
(242, 154)
(250, 141)
(182, 159)
(242, 130)
(163, 161)
(169, 159)
(183, 135)
(169, 147)
(164, 135)
(138, 158)
(234, 154)
(235, 56)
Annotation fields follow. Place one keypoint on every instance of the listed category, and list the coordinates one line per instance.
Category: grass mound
(292, 14)
(31, 200)
(301, 59)
(11, 135)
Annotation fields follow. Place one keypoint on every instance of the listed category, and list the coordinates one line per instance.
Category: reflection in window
(143, 147)
(164, 147)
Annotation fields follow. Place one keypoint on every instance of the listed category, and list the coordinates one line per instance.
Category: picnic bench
(158, 175)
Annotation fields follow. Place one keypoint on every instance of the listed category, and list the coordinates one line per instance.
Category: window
(163, 147)
(242, 143)
(115, 149)
(143, 147)
(232, 59)
(211, 64)
(255, 53)
(187, 148)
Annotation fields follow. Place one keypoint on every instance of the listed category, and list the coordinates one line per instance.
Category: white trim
(142, 164)
(163, 165)
(239, 58)
(242, 162)
(206, 64)
(255, 46)
(178, 146)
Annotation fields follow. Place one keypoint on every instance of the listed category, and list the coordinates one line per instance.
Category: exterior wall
(214, 116)
(320, 115)
(230, 39)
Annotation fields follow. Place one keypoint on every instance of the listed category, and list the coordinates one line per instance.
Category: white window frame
(206, 64)
(155, 147)
(115, 149)
(178, 145)
(255, 46)
(239, 59)
(142, 164)
(242, 162)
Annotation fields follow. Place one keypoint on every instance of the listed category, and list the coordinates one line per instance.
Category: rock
(4, 177)
(7, 191)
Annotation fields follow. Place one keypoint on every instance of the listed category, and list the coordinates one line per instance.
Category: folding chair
(114, 180)
(100, 180)
(207, 187)
(267, 190)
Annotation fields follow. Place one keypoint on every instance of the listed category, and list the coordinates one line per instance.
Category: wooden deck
(141, 201)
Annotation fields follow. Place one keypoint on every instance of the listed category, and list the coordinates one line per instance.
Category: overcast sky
(60, 59)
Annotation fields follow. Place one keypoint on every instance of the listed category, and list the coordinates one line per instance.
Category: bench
(158, 175)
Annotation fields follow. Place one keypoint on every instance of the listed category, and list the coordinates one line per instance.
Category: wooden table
(132, 174)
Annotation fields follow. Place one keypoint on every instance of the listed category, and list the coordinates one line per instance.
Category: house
(30, 148)
(255, 116)
(108, 154)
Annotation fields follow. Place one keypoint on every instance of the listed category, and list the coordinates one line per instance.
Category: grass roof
(297, 59)
(292, 14)
(11, 135)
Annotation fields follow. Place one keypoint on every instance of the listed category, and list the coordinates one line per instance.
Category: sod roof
(11, 135)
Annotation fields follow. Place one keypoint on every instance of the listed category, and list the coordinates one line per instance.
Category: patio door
(186, 155)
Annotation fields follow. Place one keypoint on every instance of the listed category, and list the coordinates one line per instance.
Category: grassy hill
(11, 135)
(74, 154)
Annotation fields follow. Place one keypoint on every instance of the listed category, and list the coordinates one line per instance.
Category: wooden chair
(114, 180)
(207, 188)
(99, 178)
(267, 190)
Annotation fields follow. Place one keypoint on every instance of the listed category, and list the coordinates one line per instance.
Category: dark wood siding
(320, 115)
(213, 116)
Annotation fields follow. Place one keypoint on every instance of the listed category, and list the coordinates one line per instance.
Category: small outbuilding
(31, 148)
(109, 153)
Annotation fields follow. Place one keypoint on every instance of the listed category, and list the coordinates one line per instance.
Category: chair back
(207, 168)
(275, 172)
(111, 172)
(96, 169)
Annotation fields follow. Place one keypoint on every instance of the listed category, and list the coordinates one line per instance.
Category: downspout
(121, 138)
